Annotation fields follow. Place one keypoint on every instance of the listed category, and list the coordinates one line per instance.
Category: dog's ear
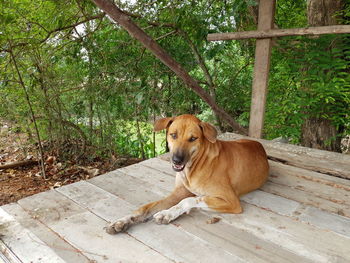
(209, 131)
(162, 124)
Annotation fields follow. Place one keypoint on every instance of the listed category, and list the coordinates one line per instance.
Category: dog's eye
(173, 135)
(192, 139)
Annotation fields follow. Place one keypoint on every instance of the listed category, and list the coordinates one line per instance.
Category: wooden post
(261, 69)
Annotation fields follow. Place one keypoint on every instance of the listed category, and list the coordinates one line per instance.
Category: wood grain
(261, 69)
(314, 31)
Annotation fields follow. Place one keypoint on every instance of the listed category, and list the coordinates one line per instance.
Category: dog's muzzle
(178, 163)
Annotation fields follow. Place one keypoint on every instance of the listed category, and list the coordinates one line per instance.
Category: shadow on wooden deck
(299, 215)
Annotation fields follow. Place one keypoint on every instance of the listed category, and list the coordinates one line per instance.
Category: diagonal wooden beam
(261, 69)
(321, 30)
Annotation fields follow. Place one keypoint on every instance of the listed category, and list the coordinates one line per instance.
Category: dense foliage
(94, 88)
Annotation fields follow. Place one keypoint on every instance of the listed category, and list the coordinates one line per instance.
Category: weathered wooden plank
(279, 169)
(282, 206)
(6, 255)
(63, 249)
(312, 159)
(323, 191)
(322, 219)
(97, 200)
(160, 164)
(150, 234)
(300, 179)
(182, 246)
(26, 246)
(261, 69)
(84, 230)
(125, 186)
(306, 240)
(147, 174)
(305, 198)
(240, 242)
(164, 156)
(314, 31)
(307, 214)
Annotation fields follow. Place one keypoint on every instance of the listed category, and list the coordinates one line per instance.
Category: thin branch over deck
(338, 29)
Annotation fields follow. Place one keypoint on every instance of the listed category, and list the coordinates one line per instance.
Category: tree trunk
(139, 135)
(318, 132)
(323, 12)
(91, 117)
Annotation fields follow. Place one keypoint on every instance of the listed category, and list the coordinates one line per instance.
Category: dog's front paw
(120, 225)
(116, 227)
(165, 216)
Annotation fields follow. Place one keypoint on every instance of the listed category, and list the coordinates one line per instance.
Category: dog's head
(186, 134)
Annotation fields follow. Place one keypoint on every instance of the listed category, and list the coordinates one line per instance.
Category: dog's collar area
(178, 167)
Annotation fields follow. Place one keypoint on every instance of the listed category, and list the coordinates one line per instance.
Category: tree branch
(49, 33)
(17, 164)
(120, 17)
(165, 35)
(203, 66)
(31, 111)
(99, 16)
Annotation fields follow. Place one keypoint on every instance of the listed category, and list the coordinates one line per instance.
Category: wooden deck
(298, 216)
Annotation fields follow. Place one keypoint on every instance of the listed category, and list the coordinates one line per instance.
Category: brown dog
(210, 174)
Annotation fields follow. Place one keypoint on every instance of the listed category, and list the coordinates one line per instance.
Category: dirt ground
(17, 183)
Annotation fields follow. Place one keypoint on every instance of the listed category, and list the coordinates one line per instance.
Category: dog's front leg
(224, 205)
(148, 210)
(166, 216)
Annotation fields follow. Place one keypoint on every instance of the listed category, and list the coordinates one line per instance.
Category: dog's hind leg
(230, 205)
(148, 210)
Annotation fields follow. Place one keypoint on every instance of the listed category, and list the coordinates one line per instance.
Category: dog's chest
(187, 184)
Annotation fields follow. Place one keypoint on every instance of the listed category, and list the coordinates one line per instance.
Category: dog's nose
(177, 159)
